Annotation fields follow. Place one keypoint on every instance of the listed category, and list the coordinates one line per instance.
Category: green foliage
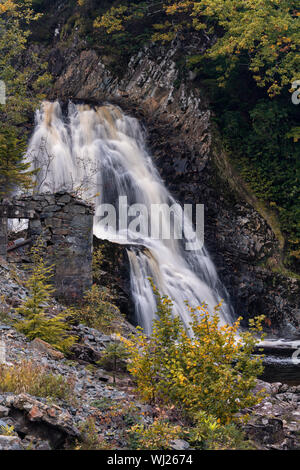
(257, 133)
(113, 358)
(4, 311)
(90, 439)
(191, 371)
(264, 32)
(209, 434)
(7, 431)
(30, 377)
(156, 436)
(103, 403)
(294, 134)
(24, 80)
(121, 28)
(36, 323)
(113, 19)
(98, 311)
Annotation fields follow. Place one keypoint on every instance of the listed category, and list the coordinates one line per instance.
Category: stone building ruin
(65, 224)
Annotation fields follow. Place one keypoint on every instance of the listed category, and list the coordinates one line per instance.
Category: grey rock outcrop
(184, 146)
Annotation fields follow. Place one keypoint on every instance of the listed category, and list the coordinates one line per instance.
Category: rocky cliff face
(177, 119)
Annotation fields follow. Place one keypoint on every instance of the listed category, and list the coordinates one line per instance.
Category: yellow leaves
(170, 366)
(161, 26)
(116, 18)
(179, 7)
(7, 6)
(112, 20)
(157, 435)
(254, 31)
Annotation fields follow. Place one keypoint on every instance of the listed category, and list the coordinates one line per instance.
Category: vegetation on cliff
(248, 69)
(24, 76)
(251, 61)
(199, 385)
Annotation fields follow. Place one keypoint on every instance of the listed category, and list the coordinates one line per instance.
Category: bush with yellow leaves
(98, 311)
(211, 368)
(207, 433)
(157, 436)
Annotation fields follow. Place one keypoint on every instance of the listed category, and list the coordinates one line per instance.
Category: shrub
(4, 312)
(89, 439)
(157, 436)
(7, 431)
(213, 369)
(97, 262)
(98, 312)
(29, 377)
(209, 434)
(36, 323)
(113, 358)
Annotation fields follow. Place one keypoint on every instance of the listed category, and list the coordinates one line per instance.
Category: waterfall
(101, 154)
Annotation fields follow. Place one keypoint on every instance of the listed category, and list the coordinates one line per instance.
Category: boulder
(46, 348)
(179, 444)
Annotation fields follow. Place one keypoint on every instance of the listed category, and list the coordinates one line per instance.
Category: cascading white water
(101, 154)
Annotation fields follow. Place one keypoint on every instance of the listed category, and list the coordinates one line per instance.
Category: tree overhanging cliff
(173, 87)
(246, 69)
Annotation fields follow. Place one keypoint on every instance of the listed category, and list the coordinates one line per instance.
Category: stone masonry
(65, 223)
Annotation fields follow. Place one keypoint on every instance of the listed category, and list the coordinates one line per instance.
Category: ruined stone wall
(3, 237)
(65, 223)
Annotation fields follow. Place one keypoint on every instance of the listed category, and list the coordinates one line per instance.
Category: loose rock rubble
(44, 423)
(275, 423)
(41, 423)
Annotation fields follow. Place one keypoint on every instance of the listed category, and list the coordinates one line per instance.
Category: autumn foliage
(211, 368)
(25, 78)
(266, 32)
